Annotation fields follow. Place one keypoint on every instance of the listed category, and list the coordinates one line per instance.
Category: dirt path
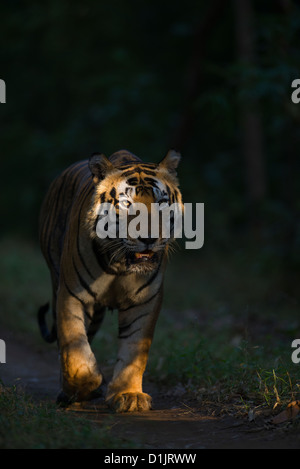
(174, 423)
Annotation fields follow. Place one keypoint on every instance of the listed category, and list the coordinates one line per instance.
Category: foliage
(82, 78)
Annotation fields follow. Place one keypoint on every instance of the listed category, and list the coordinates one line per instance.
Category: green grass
(27, 424)
(217, 367)
(224, 333)
(226, 328)
(25, 284)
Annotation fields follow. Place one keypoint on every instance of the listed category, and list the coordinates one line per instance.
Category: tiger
(90, 275)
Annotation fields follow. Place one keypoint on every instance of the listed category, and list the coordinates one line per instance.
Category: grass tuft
(25, 423)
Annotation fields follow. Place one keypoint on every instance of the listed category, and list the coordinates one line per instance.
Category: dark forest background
(211, 79)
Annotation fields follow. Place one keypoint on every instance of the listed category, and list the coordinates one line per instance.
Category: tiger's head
(124, 182)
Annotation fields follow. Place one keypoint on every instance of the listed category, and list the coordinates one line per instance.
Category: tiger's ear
(99, 166)
(170, 161)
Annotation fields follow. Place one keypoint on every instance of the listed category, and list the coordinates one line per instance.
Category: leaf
(290, 413)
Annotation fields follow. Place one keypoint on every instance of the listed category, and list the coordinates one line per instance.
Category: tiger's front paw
(130, 402)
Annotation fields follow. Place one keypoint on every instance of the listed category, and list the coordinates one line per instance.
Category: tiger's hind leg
(94, 326)
(96, 321)
(49, 335)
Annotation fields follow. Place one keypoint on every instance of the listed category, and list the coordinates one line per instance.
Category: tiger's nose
(147, 241)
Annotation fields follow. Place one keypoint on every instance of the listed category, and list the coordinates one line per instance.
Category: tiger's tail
(46, 334)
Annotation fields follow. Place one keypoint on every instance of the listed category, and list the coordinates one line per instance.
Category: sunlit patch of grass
(278, 387)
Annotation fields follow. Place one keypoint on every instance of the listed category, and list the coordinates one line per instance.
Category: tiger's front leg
(80, 373)
(136, 328)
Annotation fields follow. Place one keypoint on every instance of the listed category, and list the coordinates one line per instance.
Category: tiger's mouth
(145, 258)
(142, 257)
